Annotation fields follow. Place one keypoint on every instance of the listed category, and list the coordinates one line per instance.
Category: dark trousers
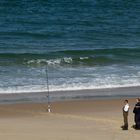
(137, 120)
(125, 117)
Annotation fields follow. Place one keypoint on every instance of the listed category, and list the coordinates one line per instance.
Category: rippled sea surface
(84, 44)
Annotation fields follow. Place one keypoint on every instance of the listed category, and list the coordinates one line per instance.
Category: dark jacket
(137, 109)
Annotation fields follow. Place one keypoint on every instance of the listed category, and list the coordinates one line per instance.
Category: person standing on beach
(125, 115)
(136, 111)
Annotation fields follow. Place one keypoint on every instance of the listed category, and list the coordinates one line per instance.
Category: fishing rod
(48, 90)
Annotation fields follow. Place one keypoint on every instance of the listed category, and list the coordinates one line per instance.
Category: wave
(64, 87)
(89, 61)
(32, 34)
(113, 51)
(75, 57)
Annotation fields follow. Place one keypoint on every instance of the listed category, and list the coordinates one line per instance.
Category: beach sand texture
(73, 120)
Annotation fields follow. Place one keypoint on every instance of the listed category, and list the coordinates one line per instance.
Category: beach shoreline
(41, 97)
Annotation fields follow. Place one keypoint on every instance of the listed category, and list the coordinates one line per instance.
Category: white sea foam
(39, 61)
(57, 61)
(71, 78)
(69, 86)
(68, 60)
(83, 58)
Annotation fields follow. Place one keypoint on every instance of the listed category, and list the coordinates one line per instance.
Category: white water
(67, 79)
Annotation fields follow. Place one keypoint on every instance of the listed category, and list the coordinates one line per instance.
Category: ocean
(83, 44)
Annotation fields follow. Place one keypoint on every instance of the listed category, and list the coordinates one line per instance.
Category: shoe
(122, 126)
(125, 128)
(134, 126)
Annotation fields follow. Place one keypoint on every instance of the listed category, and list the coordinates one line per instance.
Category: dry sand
(73, 120)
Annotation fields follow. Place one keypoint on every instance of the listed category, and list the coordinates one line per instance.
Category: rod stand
(49, 109)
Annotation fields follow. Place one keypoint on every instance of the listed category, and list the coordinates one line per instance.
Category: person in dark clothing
(136, 111)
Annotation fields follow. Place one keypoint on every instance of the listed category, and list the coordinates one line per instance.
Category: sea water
(83, 44)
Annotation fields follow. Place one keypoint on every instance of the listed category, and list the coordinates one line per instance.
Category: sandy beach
(71, 120)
